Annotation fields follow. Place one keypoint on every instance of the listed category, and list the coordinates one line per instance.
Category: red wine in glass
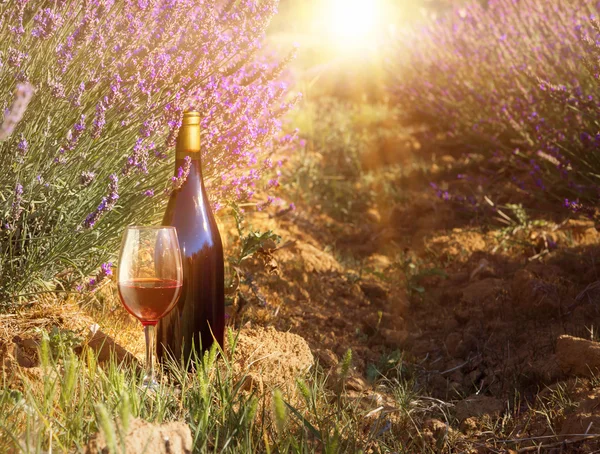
(149, 299)
(149, 280)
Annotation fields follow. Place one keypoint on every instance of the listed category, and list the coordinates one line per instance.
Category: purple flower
(107, 204)
(46, 23)
(23, 146)
(182, 173)
(106, 269)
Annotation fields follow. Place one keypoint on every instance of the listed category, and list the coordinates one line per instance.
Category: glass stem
(150, 332)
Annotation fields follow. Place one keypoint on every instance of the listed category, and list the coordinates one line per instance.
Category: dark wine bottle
(199, 316)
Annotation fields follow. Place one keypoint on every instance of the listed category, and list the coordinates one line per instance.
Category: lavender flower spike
(14, 115)
(107, 204)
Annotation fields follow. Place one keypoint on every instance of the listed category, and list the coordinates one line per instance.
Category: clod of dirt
(586, 418)
(578, 356)
(528, 292)
(477, 406)
(459, 243)
(274, 358)
(23, 351)
(435, 432)
(373, 290)
(394, 338)
(106, 348)
(326, 358)
(484, 290)
(311, 258)
(143, 437)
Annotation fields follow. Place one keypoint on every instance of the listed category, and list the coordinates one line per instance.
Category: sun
(354, 23)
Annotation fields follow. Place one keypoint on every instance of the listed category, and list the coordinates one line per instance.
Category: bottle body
(199, 316)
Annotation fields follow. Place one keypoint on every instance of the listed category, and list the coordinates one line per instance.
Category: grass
(69, 397)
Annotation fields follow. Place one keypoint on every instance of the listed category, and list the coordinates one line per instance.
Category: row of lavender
(106, 83)
(516, 80)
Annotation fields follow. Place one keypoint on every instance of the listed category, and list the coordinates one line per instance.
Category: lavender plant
(94, 93)
(518, 82)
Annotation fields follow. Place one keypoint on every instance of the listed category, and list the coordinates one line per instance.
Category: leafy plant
(252, 243)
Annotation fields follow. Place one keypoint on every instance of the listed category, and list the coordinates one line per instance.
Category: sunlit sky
(354, 23)
(343, 26)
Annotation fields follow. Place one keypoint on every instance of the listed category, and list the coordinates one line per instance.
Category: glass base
(149, 383)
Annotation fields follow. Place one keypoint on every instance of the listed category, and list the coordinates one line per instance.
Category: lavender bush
(93, 93)
(516, 80)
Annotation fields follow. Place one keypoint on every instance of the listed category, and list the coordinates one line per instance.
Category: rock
(578, 356)
(478, 405)
(146, 438)
(394, 337)
(531, 293)
(277, 357)
(483, 290)
(453, 342)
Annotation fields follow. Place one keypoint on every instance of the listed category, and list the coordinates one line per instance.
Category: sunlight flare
(354, 23)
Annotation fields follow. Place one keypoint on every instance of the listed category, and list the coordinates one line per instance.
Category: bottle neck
(195, 164)
(189, 145)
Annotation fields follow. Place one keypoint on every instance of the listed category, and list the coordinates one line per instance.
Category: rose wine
(149, 299)
(199, 316)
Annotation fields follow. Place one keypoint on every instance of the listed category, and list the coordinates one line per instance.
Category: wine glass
(149, 281)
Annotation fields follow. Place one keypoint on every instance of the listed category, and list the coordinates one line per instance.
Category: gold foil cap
(188, 140)
(191, 118)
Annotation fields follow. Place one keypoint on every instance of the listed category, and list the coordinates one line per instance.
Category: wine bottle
(199, 316)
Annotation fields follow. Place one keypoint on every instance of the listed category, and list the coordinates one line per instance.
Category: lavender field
(407, 196)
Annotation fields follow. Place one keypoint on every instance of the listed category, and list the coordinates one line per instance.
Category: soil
(473, 310)
(482, 329)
